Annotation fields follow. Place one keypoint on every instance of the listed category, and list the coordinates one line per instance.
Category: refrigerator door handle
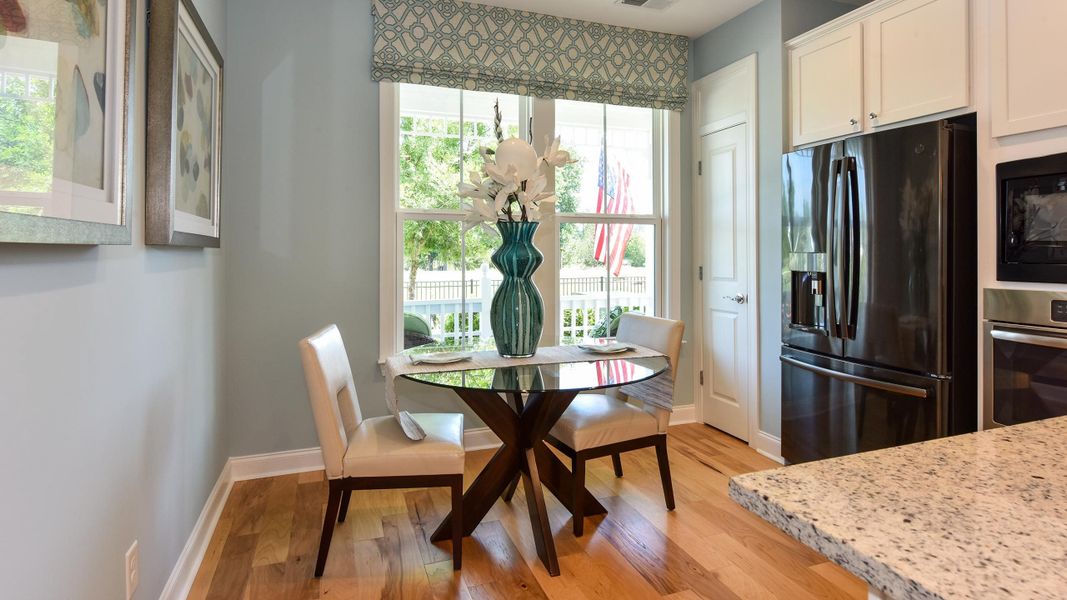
(832, 291)
(843, 248)
(896, 388)
(853, 298)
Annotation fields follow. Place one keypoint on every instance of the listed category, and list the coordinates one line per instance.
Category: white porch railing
(450, 321)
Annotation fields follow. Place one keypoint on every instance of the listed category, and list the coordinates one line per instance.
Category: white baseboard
(272, 464)
(480, 438)
(769, 446)
(684, 414)
(185, 569)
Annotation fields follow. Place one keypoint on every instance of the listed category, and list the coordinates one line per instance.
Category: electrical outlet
(133, 570)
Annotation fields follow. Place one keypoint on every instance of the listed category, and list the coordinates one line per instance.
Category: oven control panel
(1059, 311)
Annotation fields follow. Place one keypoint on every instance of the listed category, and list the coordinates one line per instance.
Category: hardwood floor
(265, 542)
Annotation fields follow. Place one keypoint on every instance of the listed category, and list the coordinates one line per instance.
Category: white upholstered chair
(374, 453)
(597, 425)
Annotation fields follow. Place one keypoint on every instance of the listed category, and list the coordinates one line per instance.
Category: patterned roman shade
(476, 47)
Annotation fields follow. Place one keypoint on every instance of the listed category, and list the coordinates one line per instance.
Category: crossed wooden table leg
(523, 453)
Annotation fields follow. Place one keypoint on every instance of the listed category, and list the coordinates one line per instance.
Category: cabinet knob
(872, 116)
(852, 122)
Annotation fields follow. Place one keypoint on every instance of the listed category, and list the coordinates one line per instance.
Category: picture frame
(65, 75)
(184, 129)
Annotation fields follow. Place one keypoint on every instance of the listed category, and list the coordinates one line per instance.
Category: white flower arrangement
(511, 185)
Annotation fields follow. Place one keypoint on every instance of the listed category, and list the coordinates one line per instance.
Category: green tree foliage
(26, 144)
(429, 174)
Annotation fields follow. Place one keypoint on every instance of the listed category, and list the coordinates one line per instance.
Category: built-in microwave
(1025, 356)
(1032, 219)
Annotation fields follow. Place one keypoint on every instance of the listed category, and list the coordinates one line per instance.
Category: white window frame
(541, 113)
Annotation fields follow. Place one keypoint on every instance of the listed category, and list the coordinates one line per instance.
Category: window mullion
(607, 248)
(460, 320)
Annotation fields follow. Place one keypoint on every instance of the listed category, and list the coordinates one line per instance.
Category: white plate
(440, 358)
(610, 348)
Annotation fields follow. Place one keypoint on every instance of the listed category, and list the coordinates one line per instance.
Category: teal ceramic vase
(518, 312)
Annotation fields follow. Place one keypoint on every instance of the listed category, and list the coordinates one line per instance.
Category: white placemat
(658, 391)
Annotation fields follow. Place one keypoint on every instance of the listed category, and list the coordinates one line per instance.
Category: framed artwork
(184, 124)
(64, 88)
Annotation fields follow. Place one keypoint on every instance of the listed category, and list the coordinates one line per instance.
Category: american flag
(610, 372)
(613, 198)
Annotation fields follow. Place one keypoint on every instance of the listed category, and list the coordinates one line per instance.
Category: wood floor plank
(272, 545)
(445, 582)
(492, 565)
(659, 560)
(265, 543)
(234, 568)
(841, 578)
(210, 562)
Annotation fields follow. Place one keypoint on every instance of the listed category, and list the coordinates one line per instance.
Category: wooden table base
(523, 454)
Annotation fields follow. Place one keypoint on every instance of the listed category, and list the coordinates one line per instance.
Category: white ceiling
(685, 17)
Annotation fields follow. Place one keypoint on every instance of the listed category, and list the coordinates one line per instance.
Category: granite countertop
(982, 515)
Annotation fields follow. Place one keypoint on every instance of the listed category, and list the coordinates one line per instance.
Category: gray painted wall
(110, 400)
(301, 164)
(762, 30)
(301, 216)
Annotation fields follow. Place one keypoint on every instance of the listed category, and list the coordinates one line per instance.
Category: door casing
(724, 99)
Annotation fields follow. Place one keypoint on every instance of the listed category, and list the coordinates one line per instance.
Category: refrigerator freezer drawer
(832, 407)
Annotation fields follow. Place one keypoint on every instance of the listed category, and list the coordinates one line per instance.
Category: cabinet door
(826, 86)
(1027, 49)
(917, 60)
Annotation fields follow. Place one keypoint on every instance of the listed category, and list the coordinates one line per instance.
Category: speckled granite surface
(974, 516)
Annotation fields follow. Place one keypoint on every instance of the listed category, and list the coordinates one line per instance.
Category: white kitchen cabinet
(826, 85)
(1028, 46)
(916, 60)
(883, 63)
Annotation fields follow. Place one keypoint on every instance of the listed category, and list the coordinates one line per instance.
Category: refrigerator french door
(879, 273)
(839, 407)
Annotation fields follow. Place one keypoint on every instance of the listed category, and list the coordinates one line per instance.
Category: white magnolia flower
(554, 157)
(501, 201)
(480, 211)
(476, 188)
(502, 175)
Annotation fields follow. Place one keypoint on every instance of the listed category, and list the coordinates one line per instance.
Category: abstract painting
(64, 71)
(184, 118)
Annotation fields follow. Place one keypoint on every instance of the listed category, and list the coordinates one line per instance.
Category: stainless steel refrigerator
(880, 297)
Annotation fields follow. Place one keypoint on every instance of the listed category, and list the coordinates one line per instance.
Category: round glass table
(520, 404)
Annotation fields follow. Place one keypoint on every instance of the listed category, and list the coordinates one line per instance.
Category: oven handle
(896, 388)
(1029, 338)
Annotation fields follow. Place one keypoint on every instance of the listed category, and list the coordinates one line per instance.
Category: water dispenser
(808, 302)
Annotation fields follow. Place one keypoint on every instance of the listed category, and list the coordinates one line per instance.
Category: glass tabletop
(576, 376)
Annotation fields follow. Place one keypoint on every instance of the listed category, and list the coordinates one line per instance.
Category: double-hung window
(603, 243)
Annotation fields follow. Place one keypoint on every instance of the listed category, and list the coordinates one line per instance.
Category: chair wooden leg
(509, 492)
(457, 523)
(665, 471)
(616, 461)
(577, 511)
(346, 496)
(332, 507)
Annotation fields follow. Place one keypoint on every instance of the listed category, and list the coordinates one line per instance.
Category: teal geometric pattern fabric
(456, 44)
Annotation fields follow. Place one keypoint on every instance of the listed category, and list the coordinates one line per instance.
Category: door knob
(852, 122)
(873, 116)
(738, 298)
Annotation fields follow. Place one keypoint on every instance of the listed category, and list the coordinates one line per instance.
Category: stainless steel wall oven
(1025, 356)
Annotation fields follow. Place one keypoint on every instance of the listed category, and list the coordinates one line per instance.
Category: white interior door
(726, 286)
